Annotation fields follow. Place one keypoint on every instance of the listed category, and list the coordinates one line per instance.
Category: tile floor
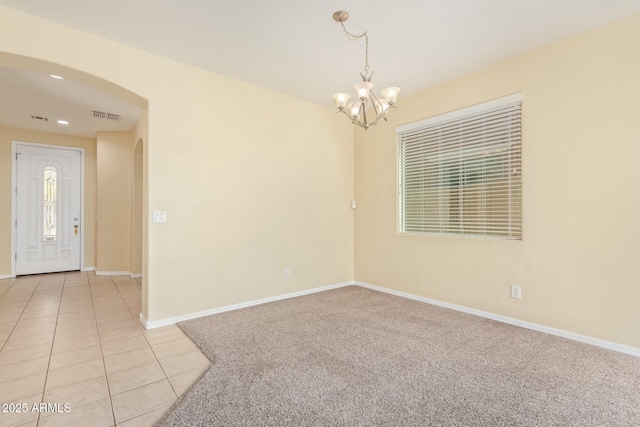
(74, 338)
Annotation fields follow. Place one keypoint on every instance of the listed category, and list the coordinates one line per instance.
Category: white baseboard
(6, 276)
(173, 320)
(117, 273)
(89, 269)
(113, 273)
(504, 319)
(143, 321)
(510, 320)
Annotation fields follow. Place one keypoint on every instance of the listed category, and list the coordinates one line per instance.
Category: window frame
(442, 119)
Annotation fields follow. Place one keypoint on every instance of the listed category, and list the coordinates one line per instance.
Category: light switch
(159, 216)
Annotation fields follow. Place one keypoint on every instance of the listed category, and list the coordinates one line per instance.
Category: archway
(134, 263)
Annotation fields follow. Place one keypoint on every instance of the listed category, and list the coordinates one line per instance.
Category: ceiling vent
(40, 118)
(106, 116)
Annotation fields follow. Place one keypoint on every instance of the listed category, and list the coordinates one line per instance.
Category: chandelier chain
(353, 37)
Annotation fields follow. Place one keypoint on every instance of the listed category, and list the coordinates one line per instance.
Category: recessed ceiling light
(56, 76)
(63, 122)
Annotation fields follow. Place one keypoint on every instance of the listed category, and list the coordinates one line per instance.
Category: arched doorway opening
(100, 181)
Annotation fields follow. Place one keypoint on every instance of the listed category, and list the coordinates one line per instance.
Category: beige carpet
(356, 357)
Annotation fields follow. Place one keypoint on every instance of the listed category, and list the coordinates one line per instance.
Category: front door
(48, 198)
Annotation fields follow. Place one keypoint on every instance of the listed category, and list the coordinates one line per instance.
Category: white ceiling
(33, 93)
(295, 47)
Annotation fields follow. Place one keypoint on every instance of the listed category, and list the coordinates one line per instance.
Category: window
(460, 173)
(49, 203)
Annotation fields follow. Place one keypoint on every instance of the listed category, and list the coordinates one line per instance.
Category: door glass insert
(49, 217)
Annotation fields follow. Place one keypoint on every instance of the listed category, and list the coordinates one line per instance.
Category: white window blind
(461, 173)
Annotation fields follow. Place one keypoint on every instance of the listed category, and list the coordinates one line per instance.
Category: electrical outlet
(287, 273)
(516, 292)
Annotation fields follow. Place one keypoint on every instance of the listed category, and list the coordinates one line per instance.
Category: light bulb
(354, 109)
(382, 106)
(363, 89)
(391, 94)
(341, 99)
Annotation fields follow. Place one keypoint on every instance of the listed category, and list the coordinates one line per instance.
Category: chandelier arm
(375, 101)
(364, 112)
(381, 116)
(374, 122)
(365, 125)
(347, 114)
(353, 121)
(384, 114)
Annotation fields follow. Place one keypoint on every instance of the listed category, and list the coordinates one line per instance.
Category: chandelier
(368, 109)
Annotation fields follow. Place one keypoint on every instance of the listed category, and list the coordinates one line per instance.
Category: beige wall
(136, 208)
(252, 181)
(114, 178)
(141, 137)
(7, 136)
(578, 263)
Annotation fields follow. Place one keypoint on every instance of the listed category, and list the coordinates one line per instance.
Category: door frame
(14, 207)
